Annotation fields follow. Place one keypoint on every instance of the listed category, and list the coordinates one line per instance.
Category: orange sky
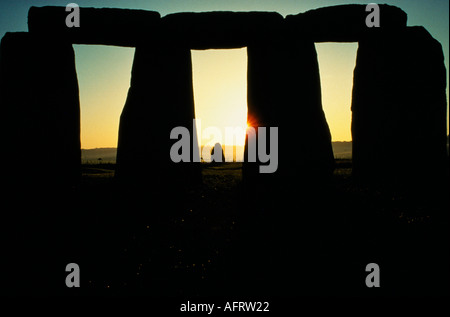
(220, 88)
(104, 71)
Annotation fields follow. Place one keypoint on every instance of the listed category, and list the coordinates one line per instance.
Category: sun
(251, 123)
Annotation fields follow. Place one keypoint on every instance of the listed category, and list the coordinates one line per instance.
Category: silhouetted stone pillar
(40, 159)
(284, 91)
(160, 98)
(40, 112)
(399, 111)
(280, 208)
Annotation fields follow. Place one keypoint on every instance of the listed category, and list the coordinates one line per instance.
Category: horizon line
(115, 147)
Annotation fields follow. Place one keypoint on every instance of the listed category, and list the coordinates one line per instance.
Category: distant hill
(103, 155)
(342, 150)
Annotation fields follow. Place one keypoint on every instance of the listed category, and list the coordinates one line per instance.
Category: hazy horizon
(341, 150)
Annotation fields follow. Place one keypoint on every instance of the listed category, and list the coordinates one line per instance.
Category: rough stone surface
(160, 98)
(40, 156)
(220, 30)
(343, 23)
(108, 26)
(399, 110)
(284, 91)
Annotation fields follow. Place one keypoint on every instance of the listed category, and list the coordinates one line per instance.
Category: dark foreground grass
(213, 241)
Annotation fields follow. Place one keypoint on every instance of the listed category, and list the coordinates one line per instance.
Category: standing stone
(399, 111)
(40, 156)
(160, 98)
(284, 91)
(280, 208)
(217, 155)
(41, 115)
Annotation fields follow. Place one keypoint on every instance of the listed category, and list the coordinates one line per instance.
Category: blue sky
(104, 71)
(433, 14)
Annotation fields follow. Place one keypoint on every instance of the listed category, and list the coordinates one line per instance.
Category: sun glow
(220, 95)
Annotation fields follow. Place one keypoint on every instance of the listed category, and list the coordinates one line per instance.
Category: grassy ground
(211, 243)
(219, 240)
